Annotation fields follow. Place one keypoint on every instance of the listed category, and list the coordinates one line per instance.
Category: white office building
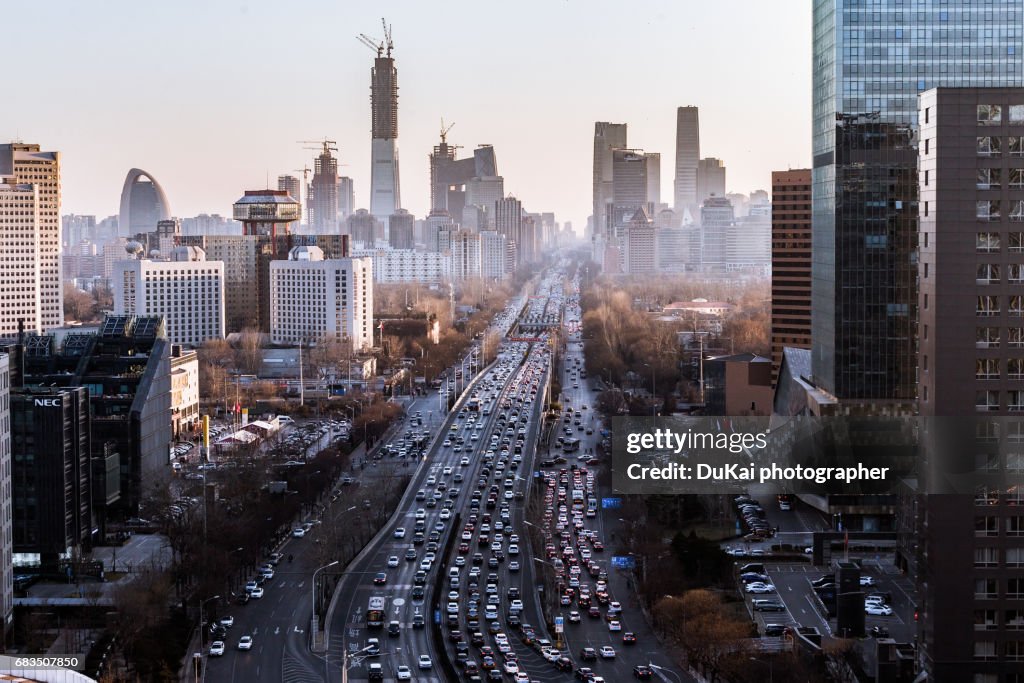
(187, 290)
(492, 254)
(312, 298)
(21, 257)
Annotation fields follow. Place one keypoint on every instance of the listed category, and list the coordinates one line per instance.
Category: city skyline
(190, 82)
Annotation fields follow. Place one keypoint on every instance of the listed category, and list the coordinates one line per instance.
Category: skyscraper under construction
(385, 197)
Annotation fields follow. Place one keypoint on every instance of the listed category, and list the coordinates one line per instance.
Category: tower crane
(370, 43)
(387, 36)
(327, 145)
(444, 130)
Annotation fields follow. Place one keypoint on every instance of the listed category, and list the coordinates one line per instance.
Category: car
(298, 532)
(759, 588)
(868, 581)
(256, 593)
(879, 632)
(511, 667)
(629, 638)
(513, 566)
(878, 610)
(574, 617)
(217, 648)
(768, 606)
(425, 662)
(393, 561)
(614, 625)
(588, 654)
(607, 652)
(642, 672)
(399, 532)
(515, 606)
(403, 673)
(245, 643)
(380, 578)
(227, 622)
(774, 630)
(418, 592)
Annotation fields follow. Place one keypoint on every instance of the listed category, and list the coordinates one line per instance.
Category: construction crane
(370, 43)
(327, 145)
(444, 130)
(387, 36)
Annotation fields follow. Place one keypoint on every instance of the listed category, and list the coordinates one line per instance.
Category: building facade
(687, 160)
(21, 262)
(385, 196)
(400, 230)
(716, 223)
(143, 204)
(710, 179)
(492, 254)
(312, 298)
(607, 136)
(791, 262)
(392, 266)
(184, 392)
(187, 291)
(322, 204)
(6, 499)
(27, 164)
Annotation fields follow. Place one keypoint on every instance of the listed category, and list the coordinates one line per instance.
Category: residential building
(77, 229)
(346, 198)
(406, 265)
(508, 221)
(748, 245)
(791, 262)
(27, 164)
(716, 222)
(212, 224)
(971, 366)
(312, 297)
(463, 248)
(184, 392)
(322, 203)
(187, 291)
(492, 254)
(6, 498)
(607, 137)
(143, 204)
(21, 269)
(639, 254)
(687, 160)
(364, 228)
(291, 185)
(400, 230)
(51, 477)
(436, 223)
(710, 179)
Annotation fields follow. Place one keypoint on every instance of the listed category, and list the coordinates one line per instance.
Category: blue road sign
(437, 616)
(623, 562)
(611, 503)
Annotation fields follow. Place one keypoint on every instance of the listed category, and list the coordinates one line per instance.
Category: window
(986, 557)
(988, 274)
(989, 178)
(988, 210)
(1014, 557)
(987, 338)
(986, 526)
(987, 306)
(989, 146)
(985, 589)
(986, 400)
(985, 620)
(1014, 588)
(1014, 464)
(1015, 400)
(987, 242)
(986, 368)
(1016, 112)
(1015, 650)
(1015, 144)
(989, 114)
(984, 649)
(1015, 274)
(1016, 305)
(1016, 210)
(1015, 368)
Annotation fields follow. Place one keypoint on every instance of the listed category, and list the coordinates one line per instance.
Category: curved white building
(143, 204)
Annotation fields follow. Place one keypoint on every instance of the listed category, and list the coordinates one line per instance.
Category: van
(375, 672)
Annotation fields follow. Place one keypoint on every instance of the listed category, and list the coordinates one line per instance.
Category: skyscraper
(346, 198)
(400, 229)
(687, 158)
(143, 204)
(629, 181)
(291, 185)
(508, 221)
(653, 177)
(607, 136)
(710, 179)
(323, 194)
(384, 187)
(791, 262)
(870, 64)
(26, 164)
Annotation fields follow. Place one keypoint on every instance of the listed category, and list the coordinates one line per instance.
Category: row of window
(992, 146)
(989, 368)
(991, 273)
(989, 526)
(991, 242)
(992, 210)
(990, 400)
(989, 305)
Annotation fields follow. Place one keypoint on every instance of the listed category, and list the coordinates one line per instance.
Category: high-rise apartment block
(187, 291)
(492, 254)
(791, 262)
(607, 137)
(710, 179)
(716, 223)
(508, 221)
(6, 513)
(400, 230)
(312, 298)
(639, 245)
(26, 164)
(291, 185)
(687, 160)
(392, 266)
(21, 268)
(346, 198)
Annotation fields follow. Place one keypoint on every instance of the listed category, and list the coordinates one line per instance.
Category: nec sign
(47, 403)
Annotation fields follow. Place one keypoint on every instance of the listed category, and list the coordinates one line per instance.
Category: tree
(248, 354)
(700, 624)
(78, 305)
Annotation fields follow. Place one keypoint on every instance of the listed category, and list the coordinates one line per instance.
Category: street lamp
(315, 626)
(661, 669)
(202, 636)
(344, 660)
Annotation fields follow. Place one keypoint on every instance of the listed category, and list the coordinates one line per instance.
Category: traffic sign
(559, 624)
(623, 562)
(611, 503)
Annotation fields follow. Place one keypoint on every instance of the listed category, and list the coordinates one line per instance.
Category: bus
(375, 612)
(591, 507)
(473, 404)
(570, 445)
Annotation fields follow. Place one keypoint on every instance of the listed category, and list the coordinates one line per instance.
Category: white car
(245, 643)
(298, 532)
(513, 549)
(453, 608)
(878, 609)
(515, 606)
(464, 462)
(511, 667)
(614, 625)
(867, 581)
(256, 593)
(403, 673)
(217, 648)
(425, 662)
(227, 622)
(607, 652)
(757, 587)
(446, 471)
(393, 561)
(399, 532)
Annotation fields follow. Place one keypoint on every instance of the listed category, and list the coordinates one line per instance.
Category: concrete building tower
(607, 136)
(291, 185)
(687, 159)
(143, 204)
(323, 193)
(384, 185)
(400, 230)
(346, 198)
(653, 177)
(710, 179)
(26, 164)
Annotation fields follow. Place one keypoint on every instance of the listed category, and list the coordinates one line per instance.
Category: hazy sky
(211, 96)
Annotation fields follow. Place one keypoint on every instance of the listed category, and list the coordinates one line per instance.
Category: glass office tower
(871, 59)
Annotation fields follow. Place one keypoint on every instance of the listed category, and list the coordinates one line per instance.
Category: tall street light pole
(315, 626)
